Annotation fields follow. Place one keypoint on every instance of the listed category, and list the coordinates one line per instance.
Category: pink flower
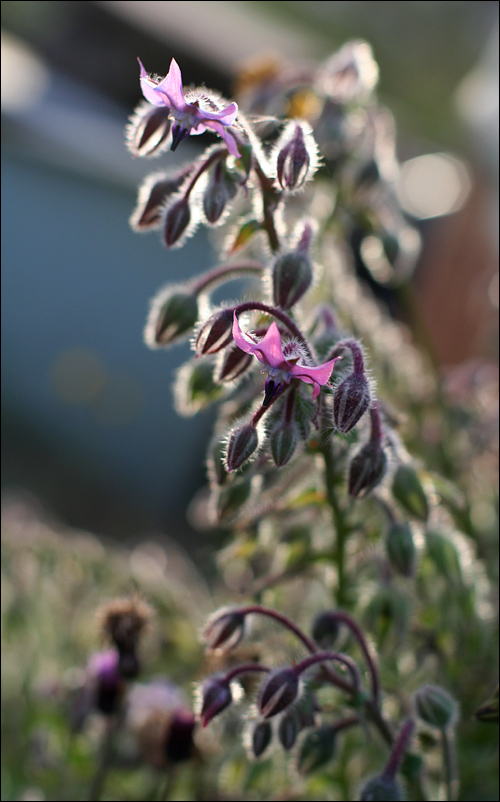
(192, 113)
(281, 361)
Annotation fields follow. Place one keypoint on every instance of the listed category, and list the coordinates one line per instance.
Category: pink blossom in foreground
(192, 113)
(281, 361)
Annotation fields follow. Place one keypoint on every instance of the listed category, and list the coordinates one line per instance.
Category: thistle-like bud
(381, 789)
(224, 630)
(178, 744)
(278, 691)
(408, 490)
(106, 681)
(292, 272)
(318, 749)
(177, 219)
(325, 630)
(401, 548)
(284, 439)
(221, 188)
(261, 737)
(296, 156)
(153, 194)
(367, 469)
(173, 314)
(435, 706)
(123, 621)
(242, 443)
(288, 729)
(215, 333)
(216, 696)
(147, 133)
(234, 363)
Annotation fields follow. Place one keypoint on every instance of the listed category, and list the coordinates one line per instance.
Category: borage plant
(326, 513)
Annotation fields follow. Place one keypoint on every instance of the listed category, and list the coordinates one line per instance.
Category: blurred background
(87, 419)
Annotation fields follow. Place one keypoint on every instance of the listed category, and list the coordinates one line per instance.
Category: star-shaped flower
(282, 361)
(192, 113)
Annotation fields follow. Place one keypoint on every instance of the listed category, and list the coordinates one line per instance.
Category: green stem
(106, 751)
(339, 523)
(450, 764)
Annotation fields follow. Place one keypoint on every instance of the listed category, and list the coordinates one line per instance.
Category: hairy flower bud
(288, 729)
(234, 363)
(381, 789)
(216, 696)
(224, 630)
(177, 220)
(318, 749)
(284, 439)
(173, 314)
(147, 133)
(291, 276)
(195, 388)
(261, 737)
(407, 489)
(401, 548)
(367, 469)
(278, 691)
(435, 706)
(221, 188)
(153, 194)
(351, 401)
(242, 443)
(325, 630)
(215, 333)
(296, 156)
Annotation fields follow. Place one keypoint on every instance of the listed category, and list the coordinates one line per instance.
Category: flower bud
(224, 630)
(381, 789)
(401, 548)
(216, 696)
(153, 194)
(291, 276)
(318, 749)
(215, 459)
(177, 220)
(242, 443)
(221, 188)
(435, 706)
(284, 439)
(407, 489)
(178, 745)
(325, 630)
(173, 314)
(261, 738)
(106, 681)
(288, 729)
(367, 469)
(235, 362)
(444, 554)
(215, 333)
(148, 130)
(388, 611)
(351, 401)
(296, 149)
(194, 387)
(278, 691)
(231, 499)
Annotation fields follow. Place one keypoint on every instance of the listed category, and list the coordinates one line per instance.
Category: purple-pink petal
(226, 136)
(168, 92)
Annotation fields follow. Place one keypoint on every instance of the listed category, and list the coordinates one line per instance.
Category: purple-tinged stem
(398, 750)
(358, 362)
(247, 668)
(345, 618)
(230, 270)
(320, 657)
(376, 424)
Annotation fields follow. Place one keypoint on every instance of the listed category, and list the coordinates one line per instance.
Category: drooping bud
(123, 621)
(367, 469)
(381, 789)
(235, 362)
(178, 745)
(292, 272)
(288, 729)
(325, 630)
(153, 194)
(278, 691)
(106, 681)
(177, 220)
(215, 333)
(195, 388)
(148, 130)
(261, 737)
(408, 490)
(318, 749)
(296, 155)
(401, 548)
(225, 630)
(284, 439)
(221, 188)
(388, 613)
(436, 706)
(172, 316)
(350, 402)
(216, 696)
(242, 443)
(444, 554)
(215, 459)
